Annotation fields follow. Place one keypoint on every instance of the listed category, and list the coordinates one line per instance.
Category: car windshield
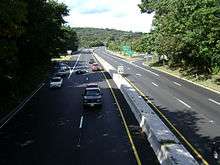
(93, 92)
(92, 86)
(55, 79)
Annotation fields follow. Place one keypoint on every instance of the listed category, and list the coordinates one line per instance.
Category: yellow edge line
(125, 124)
(184, 139)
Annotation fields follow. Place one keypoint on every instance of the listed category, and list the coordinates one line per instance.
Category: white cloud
(116, 14)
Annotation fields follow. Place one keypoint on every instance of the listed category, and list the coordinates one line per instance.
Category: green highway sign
(127, 50)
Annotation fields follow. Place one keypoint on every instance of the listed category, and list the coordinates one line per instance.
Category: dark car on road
(81, 71)
(62, 72)
(92, 85)
(91, 61)
(96, 67)
(92, 97)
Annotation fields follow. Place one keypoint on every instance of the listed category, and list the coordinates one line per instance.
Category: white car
(56, 82)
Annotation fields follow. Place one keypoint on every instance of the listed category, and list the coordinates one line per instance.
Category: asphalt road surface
(54, 129)
(193, 110)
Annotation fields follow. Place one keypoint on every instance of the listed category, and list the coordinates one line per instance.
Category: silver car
(56, 82)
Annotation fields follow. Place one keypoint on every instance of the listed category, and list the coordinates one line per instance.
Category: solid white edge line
(71, 70)
(21, 106)
(154, 84)
(81, 122)
(216, 102)
(183, 103)
(177, 83)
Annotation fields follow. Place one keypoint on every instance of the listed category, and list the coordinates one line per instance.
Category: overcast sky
(116, 14)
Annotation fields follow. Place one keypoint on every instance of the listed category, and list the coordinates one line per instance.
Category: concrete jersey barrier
(166, 146)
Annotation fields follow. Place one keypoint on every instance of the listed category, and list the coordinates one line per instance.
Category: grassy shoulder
(121, 55)
(211, 81)
(64, 58)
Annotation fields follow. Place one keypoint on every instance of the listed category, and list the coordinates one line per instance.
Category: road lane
(53, 128)
(186, 106)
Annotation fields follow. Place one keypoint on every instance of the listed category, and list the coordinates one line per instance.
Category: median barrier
(166, 146)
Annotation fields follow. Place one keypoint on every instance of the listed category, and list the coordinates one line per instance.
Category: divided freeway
(192, 110)
(52, 128)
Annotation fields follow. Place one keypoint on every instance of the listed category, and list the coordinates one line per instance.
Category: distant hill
(89, 37)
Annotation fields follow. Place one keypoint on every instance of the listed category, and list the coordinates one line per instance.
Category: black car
(92, 97)
(91, 61)
(81, 71)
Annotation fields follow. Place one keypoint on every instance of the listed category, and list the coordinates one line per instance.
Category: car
(92, 97)
(56, 82)
(91, 61)
(215, 149)
(63, 72)
(81, 71)
(96, 67)
(92, 85)
(120, 70)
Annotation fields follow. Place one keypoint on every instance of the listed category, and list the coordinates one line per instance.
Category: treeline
(186, 31)
(31, 32)
(91, 37)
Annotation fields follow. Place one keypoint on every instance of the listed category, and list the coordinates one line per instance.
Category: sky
(114, 14)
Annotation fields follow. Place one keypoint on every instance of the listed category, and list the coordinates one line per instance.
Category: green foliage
(96, 37)
(186, 31)
(70, 40)
(31, 32)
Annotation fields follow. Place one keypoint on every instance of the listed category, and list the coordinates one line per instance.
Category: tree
(186, 31)
(31, 32)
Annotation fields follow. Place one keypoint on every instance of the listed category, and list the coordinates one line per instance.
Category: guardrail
(166, 146)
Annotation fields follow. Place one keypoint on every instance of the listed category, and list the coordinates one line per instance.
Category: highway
(192, 110)
(52, 128)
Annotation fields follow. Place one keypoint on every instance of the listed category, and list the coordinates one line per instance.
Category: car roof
(92, 84)
(56, 77)
(92, 88)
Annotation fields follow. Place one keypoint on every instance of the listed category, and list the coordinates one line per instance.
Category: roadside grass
(121, 55)
(210, 81)
(63, 58)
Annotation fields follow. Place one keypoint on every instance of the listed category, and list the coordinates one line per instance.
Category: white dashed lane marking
(177, 83)
(81, 122)
(216, 102)
(188, 106)
(138, 74)
(154, 84)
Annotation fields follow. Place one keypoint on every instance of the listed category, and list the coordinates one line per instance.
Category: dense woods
(113, 39)
(31, 32)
